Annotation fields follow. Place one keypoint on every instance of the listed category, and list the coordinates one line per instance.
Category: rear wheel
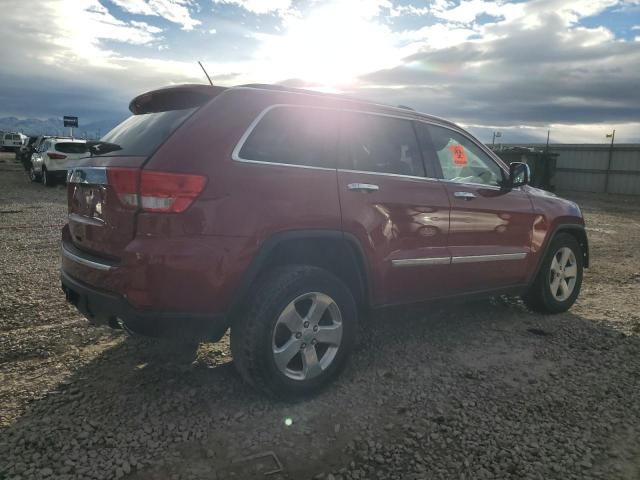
(297, 333)
(558, 283)
(47, 178)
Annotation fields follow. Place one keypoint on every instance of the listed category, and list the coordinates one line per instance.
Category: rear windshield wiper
(100, 148)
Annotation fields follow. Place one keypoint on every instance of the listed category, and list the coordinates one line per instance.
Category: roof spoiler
(177, 97)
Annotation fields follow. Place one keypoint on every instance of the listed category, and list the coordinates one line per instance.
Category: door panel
(400, 218)
(490, 226)
(489, 237)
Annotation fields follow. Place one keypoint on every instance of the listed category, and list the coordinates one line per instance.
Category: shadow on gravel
(484, 390)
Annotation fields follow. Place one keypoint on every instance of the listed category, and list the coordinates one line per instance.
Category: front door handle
(465, 195)
(363, 187)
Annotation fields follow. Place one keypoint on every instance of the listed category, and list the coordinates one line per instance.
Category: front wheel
(298, 332)
(33, 176)
(558, 283)
(47, 178)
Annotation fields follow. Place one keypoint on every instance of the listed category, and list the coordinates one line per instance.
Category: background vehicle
(25, 152)
(54, 157)
(282, 214)
(12, 141)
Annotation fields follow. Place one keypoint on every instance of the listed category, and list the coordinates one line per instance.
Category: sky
(518, 67)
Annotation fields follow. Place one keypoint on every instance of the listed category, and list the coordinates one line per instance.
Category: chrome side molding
(418, 262)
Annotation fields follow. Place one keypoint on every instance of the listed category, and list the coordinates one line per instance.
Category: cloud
(67, 66)
(259, 6)
(146, 27)
(534, 68)
(175, 11)
(514, 65)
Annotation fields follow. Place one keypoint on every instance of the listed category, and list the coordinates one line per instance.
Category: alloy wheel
(563, 274)
(307, 336)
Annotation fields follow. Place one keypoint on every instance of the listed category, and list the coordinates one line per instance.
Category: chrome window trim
(235, 154)
(260, 162)
(418, 262)
(489, 258)
(345, 170)
(84, 261)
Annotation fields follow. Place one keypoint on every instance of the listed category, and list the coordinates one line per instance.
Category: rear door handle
(363, 187)
(465, 195)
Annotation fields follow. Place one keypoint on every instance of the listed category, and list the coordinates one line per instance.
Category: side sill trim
(489, 258)
(416, 262)
(84, 261)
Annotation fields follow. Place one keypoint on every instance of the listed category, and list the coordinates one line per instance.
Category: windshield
(141, 135)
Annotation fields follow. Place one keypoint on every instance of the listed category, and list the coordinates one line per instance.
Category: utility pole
(612, 136)
(495, 135)
(548, 133)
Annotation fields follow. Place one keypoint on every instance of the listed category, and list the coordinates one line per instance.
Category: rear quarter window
(293, 136)
(141, 135)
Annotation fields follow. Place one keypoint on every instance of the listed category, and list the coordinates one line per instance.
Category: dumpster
(542, 164)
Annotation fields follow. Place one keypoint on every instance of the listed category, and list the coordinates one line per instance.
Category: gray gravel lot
(482, 390)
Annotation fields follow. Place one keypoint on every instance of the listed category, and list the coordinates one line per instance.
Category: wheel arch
(575, 230)
(334, 250)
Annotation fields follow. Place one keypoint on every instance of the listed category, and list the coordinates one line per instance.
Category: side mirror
(519, 174)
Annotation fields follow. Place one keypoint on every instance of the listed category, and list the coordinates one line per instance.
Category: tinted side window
(295, 136)
(374, 143)
(461, 160)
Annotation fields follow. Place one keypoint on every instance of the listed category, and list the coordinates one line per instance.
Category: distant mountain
(54, 126)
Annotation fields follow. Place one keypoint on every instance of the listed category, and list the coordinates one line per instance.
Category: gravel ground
(482, 390)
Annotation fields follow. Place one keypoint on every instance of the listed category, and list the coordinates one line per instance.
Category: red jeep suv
(282, 214)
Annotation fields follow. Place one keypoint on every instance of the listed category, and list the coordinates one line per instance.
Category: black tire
(252, 333)
(47, 179)
(539, 298)
(33, 176)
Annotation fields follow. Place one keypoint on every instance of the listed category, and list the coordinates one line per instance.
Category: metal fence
(597, 168)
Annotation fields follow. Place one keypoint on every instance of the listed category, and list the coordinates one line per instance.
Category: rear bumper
(107, 308)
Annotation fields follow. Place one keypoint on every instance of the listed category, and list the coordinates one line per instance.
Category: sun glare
(330, 47)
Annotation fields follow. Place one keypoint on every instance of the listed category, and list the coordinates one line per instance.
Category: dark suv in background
(282, 214)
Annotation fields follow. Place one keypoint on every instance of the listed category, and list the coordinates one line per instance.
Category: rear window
(141, 135)
(71, 147)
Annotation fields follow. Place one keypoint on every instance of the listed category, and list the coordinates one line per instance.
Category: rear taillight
(124, 182)
(169, 192)
(56, 156)
(155, 191)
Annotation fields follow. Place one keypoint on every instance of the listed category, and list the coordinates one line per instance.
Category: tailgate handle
(465, 195)
(363, 187)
